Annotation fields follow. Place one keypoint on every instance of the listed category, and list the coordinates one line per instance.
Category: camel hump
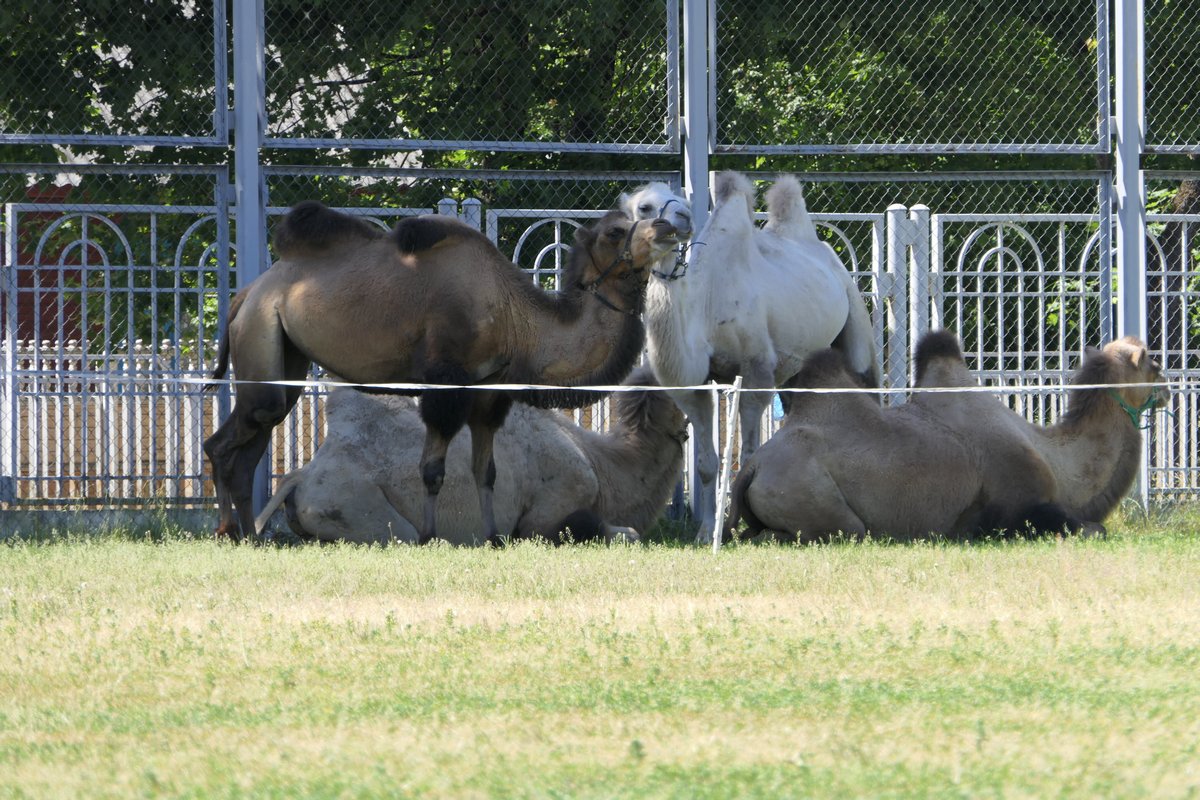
(415, 234)
(730, 183)
(787, 212)
(311, 225)
(825, 369)
(937, 345)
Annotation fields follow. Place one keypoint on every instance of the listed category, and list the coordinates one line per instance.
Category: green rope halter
(1135, 414)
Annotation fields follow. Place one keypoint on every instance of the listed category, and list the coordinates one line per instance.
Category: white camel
(751, 302)
(364, 484)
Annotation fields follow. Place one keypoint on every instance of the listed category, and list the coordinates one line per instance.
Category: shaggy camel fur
(363, 485)
(949, 464)
(1087, 461)
(433, 302)
(753, 302)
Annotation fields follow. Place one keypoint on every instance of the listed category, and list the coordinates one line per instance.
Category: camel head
(650, 410)
(613, 256)
(658, 201)
(1127, 361)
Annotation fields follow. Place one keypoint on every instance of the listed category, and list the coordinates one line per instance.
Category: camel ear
(1090, 352)
(584, 236)
(1138, 357)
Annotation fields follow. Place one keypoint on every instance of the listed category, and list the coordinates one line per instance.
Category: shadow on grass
(1168, 521)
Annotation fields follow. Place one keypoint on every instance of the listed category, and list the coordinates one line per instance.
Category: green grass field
(171, 666)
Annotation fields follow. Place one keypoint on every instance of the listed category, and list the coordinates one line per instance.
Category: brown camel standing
(432, 302)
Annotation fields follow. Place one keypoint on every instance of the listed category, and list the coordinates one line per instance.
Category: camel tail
(222, 361)
(857, 338)
(788, 213)
(282, 492)
(738, 508)
(223, 346)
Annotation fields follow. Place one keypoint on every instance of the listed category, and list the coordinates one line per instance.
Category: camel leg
(826, 511)
(352, 511)
(444, 412)
(235, 450)
(245, 461)
(583, 525)
(698, 407)
(751, 406)
(238, 444)
(488, 412)
(220, 448)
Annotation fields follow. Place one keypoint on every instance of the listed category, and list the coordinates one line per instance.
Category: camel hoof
(228, 530)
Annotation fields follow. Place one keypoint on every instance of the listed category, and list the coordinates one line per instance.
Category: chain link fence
(1172, 53)
(115, 73)
(870, 76)
(598, 76)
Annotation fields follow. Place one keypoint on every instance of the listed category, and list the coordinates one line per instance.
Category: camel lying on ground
(752, 302)
(364, 483)
(953, 464)
(432, 302)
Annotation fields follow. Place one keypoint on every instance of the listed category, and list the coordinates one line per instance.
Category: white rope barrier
(211, 383)
(730, 392)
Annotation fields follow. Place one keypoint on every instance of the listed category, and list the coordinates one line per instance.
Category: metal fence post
(920, 274)
(698, 108)
(472, 213)
(896, 296)
(1130, 183)
(697, 123)
(9, 423)
(249, 125)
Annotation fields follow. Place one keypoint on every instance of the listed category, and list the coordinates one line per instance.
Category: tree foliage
(552, 71)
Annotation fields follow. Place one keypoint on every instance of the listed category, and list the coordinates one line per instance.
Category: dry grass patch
(183, 667)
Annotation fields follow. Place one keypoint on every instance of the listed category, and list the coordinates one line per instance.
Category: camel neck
(592, 347)
(1135, 414)
(1096, 453)
(642, 467)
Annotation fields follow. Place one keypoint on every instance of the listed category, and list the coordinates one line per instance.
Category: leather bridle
(624, 257)
(679, 268)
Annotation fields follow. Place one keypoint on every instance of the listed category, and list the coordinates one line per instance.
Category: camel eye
(616, 233)
(646, 208)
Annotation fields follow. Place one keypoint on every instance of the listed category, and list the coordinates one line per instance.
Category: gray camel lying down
(953, 464)
(364, 483)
